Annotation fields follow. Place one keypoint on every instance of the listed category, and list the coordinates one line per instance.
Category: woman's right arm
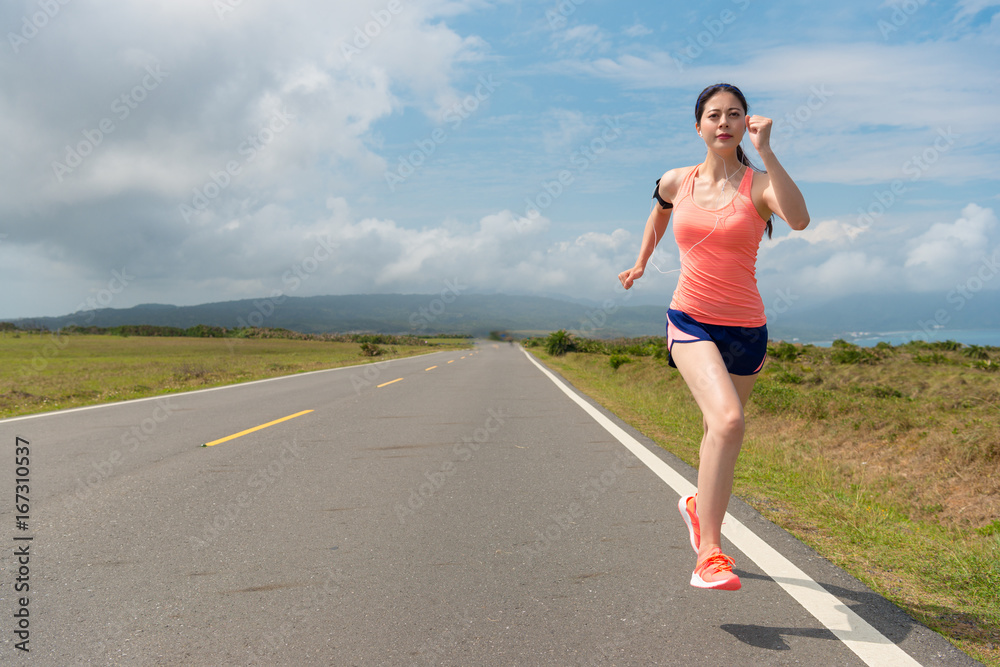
(656, 227)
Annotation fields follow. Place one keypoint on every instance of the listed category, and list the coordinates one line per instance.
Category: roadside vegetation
(886, 460)
(41, 371)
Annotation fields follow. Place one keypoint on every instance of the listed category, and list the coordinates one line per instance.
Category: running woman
(716, 329)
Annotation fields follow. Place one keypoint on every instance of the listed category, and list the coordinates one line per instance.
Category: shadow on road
(888, 619)
(761, 636)
(884, 616)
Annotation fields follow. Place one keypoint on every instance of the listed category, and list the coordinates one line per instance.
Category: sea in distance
(870, 339)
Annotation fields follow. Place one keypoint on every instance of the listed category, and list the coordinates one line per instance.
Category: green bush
(589, 346)
(783, 351)
(370, 349)
(990, 529)
(879, 391)
(205, 331)
(788, 378)
(617, 360)
(985, 365)
(376, 339)
(852, 354)
(940, 345)
(559, 343)
(976, 352)
(929, 359)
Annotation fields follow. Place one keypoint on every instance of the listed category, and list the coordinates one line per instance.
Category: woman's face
(723, 121)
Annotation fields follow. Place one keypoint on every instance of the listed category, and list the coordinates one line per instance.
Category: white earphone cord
(714, 227)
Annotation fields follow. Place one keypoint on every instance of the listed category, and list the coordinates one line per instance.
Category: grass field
(887, 462)
(40, 372)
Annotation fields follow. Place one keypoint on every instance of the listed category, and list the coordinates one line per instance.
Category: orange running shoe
(715, 572)
(689, 511)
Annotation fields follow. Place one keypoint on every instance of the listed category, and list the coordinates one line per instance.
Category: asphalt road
(458, 508)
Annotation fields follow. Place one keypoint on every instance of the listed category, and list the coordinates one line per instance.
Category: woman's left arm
(781, 195)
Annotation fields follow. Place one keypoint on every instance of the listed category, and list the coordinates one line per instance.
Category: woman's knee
(728, 424)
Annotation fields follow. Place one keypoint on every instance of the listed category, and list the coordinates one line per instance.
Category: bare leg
(721, 397)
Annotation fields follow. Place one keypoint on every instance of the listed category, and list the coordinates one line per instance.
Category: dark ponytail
(699, 109)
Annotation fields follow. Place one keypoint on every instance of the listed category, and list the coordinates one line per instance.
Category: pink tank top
(718, 282)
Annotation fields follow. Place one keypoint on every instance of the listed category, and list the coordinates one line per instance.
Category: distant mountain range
(479, 314)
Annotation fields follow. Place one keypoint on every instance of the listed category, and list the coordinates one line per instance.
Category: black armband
(657, 197)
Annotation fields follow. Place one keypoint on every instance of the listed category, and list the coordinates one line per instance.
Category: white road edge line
(202, 391)
(868, 643)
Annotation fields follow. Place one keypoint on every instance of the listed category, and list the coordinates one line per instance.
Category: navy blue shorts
(743, 349)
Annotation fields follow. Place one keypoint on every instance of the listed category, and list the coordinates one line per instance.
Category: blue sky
(194, 151)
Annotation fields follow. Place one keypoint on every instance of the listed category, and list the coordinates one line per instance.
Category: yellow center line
(452, 361)
(255, 428)
(388, 383)
(431, 368)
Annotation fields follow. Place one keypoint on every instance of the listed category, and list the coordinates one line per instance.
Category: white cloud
(838, 259)
(850, 272)
(332, 66)
(503, 252)
(637, 30)
(852, 112)
(823, 232)
(943, 253)
(571, 127)
(175, 103)
(580, 40)
(848, 109)
(269, 251)
(969, 8)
